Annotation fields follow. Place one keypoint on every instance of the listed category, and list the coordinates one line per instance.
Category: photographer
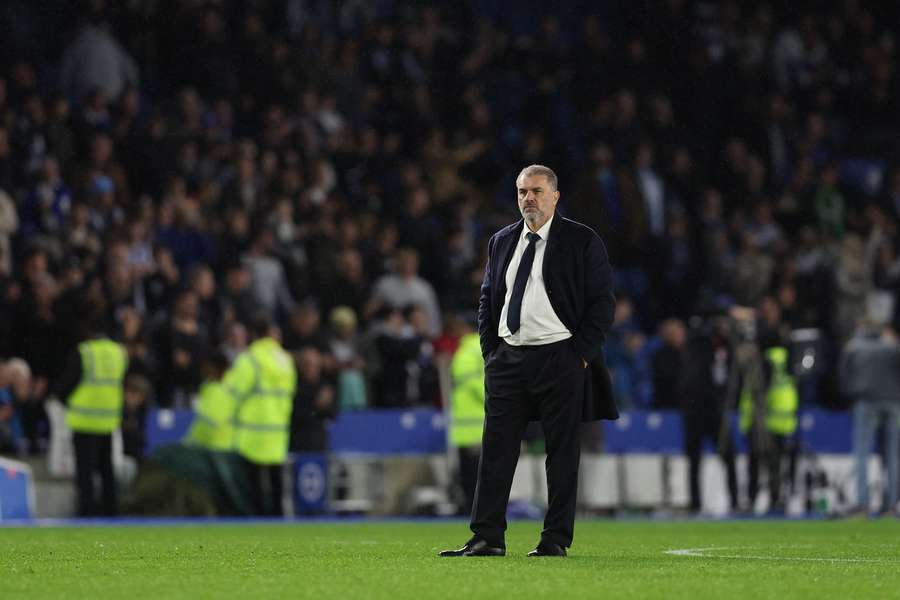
(704, 386)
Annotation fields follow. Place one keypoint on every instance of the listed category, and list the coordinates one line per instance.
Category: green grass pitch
(610, 559)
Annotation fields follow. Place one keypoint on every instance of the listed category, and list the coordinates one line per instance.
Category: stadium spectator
(15, 384)
(402, 368)
(349, 287)
(36, 337)
(853, 284)
(180, 343)
(132, 333)
(268, 282)
(315, 403)
(405, 288)
(304, 329)
(161, 284)
(345, 347)
(9, 222)
(623, 346)
(234, 341)
(236, 299)
(869, 374)
(753, 268)
(771, 330)
(48, 204)
(675, 279)
(203, 283)
(135, 397)
(668, 366)
(95, 60)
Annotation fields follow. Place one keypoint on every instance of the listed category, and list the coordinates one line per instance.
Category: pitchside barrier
(16, 490)
(423, 431)
(397, 462)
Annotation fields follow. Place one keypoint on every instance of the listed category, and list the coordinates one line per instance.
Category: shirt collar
(544, 231)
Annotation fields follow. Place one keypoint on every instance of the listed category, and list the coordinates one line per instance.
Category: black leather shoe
(476, 548)
(548, 549)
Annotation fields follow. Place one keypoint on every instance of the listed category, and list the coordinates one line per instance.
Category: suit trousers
(525, 383)
(93, 455)
(468, 475)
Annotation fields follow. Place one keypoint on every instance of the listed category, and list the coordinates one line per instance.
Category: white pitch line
(704, 553)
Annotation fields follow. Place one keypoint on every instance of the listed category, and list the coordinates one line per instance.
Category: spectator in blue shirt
(15, 381)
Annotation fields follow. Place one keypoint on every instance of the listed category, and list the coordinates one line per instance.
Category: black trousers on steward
(523, 383)
(266, 488)
(781, 450)
(93, 455)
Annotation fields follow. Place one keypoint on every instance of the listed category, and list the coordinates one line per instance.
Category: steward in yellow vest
(262, 382)
(96, 404)
(467, 399)
(780, 422)
(215, 410)
(91, 383)
(467, 411)
(782, 399)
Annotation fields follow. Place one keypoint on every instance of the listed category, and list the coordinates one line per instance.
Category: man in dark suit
(545, 308)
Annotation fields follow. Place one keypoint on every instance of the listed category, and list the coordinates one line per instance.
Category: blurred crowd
(341, 166)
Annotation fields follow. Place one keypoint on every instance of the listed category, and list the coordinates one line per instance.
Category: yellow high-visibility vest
(213, 425)
(96, 404)
(262, 381)
(467, 398)
(782, 398)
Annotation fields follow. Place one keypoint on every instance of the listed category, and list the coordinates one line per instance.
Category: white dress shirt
(539, 323)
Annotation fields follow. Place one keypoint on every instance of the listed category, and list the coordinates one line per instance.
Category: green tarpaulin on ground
(180, 480)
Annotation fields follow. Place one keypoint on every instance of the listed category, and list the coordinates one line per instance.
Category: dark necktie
(514, 314)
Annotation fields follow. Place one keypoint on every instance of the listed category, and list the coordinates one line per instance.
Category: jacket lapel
(552, 239)
(505, 252)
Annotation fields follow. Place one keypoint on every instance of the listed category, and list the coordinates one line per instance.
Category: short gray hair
(17, 367)
(532, 170)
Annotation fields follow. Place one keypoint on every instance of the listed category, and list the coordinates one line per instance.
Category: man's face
(310, 365)
(205, 285)
(186, 308)
(238, 279)
(537, 198)
(408, 264)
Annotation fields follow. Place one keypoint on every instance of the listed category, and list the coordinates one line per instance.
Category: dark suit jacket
(578, 278)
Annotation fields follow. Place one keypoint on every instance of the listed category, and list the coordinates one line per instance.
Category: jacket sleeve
(240, 379)
(68, 379)
(599, 303)
(486, 330)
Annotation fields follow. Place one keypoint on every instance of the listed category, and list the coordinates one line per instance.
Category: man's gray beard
(533, 218)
